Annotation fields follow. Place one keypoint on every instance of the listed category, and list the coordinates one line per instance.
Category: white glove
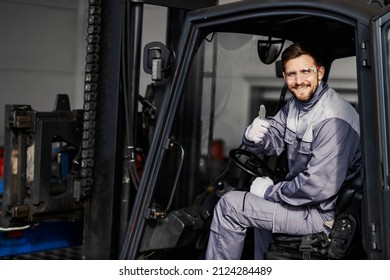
(260, 185)
(257, 130)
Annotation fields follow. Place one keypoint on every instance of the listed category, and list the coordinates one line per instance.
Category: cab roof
(331, 23)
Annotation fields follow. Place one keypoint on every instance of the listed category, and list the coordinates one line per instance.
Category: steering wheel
(252, 164)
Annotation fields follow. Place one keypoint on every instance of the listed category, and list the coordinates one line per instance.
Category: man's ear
(321, 72)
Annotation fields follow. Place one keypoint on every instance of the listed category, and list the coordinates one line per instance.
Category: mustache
(303, 84)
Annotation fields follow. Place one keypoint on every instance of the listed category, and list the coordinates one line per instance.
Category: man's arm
(334, 150)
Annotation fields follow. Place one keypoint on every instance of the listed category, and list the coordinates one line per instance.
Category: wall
(40, 52)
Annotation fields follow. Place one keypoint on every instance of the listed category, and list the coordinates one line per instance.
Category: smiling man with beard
(319, 130)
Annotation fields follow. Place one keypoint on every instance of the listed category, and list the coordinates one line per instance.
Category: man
(320, 133)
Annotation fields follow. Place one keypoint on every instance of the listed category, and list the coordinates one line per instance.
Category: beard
(303, 92)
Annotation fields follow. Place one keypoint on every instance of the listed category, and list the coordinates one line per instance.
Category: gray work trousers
(238, 210)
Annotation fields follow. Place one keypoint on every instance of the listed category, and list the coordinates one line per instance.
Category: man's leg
(234, 213)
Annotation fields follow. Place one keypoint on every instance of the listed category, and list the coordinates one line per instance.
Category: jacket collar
(307, 106)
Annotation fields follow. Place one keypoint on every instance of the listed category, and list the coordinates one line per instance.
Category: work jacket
(322, 140)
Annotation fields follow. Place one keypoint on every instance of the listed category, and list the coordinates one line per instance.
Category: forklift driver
(320, 132)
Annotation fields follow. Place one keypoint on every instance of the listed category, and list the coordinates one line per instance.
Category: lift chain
(91, 87)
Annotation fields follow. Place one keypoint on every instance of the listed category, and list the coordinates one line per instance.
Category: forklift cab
(223, 69)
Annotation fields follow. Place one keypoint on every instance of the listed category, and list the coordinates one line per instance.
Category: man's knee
(232, 200)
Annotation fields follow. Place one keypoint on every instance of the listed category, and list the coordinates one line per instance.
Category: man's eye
(291, 74)
(305, 71)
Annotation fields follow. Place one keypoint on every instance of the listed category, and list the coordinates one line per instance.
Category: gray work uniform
(322, 139)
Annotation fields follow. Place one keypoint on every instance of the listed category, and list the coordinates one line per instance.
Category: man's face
(303, 77)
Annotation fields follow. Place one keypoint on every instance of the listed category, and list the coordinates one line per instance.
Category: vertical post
(101, 233)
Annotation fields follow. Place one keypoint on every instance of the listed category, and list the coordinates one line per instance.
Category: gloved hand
(260, 185)
(257, 130)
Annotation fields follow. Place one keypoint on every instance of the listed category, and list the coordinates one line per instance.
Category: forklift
(136, 171)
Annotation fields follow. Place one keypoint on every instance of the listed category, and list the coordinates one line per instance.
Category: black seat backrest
(348, 191)
(346, 236)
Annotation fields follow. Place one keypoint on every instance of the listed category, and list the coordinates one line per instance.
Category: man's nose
(298, 78)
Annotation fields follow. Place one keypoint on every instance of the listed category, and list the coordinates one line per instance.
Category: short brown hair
(301, 48)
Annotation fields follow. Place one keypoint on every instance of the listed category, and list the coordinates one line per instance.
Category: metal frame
(179, 4)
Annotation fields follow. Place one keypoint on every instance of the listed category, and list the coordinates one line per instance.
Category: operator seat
(344, 240)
